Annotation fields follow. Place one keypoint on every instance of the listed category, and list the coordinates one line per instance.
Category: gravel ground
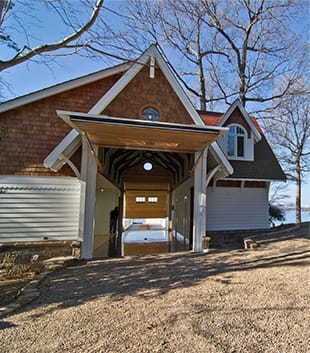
(234, 301)
(9, 290)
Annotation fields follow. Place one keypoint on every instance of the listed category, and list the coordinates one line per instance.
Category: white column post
(89, 175)
(200, 202)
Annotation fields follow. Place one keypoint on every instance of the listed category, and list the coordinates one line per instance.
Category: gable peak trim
(161, 61)
(237, 104)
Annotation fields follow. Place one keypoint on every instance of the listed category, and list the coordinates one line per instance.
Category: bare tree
(20, 34)
(257, 41)
(232, 48)
(169, 23)
(289, 132)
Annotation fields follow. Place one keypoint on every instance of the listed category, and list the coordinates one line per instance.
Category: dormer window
(236, 142)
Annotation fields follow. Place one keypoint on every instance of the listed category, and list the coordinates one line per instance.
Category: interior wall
(181, 209)
(107, 198)
(106, 201)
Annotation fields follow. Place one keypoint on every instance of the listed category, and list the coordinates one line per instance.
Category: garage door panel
(146, 204)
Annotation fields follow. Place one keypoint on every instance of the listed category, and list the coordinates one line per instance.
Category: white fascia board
(67, 147)
(152, 51)
(107, 98)
(220, 156)
(266, 180)
(170, 76)
(66, 116)
(62, 87)
(231, 109)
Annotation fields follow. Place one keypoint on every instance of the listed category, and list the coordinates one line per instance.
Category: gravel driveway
(233, 301)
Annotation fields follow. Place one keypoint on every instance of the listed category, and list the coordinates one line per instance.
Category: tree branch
(21, 57)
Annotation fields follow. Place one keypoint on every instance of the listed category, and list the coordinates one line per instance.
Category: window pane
(153, 199)
(140, 199)
(231, 145)
(147, 166)
(150, 114)
(240, 146)
(240, 131)
(232, 130)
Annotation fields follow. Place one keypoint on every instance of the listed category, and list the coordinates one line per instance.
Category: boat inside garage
(152, 190)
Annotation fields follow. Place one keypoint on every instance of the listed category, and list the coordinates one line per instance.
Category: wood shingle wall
(31, 132)
(143, 92)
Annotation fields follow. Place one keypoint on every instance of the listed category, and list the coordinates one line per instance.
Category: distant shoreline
(303, 209)
(290, 216)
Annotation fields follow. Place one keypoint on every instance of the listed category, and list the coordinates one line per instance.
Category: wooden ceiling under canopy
(140, 134)
(128, 142)
(118, 161)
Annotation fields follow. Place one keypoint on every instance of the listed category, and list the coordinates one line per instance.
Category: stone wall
(20, 260)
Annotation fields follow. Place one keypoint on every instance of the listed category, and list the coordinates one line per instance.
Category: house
(128, 136)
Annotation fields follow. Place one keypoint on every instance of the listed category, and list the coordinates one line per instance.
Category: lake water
(290, 217)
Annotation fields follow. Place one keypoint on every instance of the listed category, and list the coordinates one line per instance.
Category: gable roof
(214, 118)
(62, 87)
(219, 119)
(150, 54)
(53, 159)
(265, 165)
(237, 105)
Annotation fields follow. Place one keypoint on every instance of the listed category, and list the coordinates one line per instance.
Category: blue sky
(30, 77)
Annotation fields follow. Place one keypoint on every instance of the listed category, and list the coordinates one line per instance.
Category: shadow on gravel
(148, 276)
(6, 324)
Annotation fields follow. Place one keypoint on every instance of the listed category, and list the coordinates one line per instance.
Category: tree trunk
(201, 77)
(298, 193)
(202, 86)
(242, 84)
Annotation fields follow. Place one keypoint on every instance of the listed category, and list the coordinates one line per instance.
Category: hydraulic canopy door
(135, 134)
(140, 134)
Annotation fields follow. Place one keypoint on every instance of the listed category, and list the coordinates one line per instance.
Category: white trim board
(68, 146)
(62, 87)
(151, 52)
(52, 160)
(231, 109)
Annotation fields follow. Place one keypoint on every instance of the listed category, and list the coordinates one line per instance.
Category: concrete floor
(140, 239)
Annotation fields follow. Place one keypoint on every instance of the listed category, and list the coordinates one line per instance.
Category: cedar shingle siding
(237, 118)
(143, 91)
(265, 165)
(32, 131)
